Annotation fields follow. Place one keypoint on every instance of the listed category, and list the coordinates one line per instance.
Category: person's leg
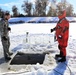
(8, 42)
(63, 58)
(9, 46)
(61, 53)
(5, 48)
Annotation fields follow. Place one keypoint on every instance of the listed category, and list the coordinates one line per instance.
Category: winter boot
(63, 59)
(58, 55)
(7, 58)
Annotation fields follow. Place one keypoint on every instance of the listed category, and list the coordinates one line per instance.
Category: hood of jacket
(63, 15)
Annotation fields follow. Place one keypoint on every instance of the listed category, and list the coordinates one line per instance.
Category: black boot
(7, 58)
(63, 59)
(58, 55)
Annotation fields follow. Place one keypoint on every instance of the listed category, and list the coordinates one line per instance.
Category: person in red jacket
(62, 34)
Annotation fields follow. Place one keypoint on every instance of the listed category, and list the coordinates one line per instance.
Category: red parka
(62, 30)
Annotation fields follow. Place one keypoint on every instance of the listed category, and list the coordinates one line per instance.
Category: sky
(7, 4)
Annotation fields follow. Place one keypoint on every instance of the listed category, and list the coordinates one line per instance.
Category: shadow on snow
(59, 69)
(17, 48)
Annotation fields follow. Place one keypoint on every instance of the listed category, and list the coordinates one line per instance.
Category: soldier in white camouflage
(4, 31)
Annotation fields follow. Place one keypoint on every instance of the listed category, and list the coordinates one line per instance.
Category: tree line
(39, 9)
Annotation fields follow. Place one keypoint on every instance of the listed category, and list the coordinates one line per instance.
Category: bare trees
(67, 6)
(52, 9)
(15, 11)
(38, 10)
(1, 13)
(61, 5)
(40, 7)
(27, 8)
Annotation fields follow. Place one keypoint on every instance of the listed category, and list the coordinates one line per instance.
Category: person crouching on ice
(62, 34)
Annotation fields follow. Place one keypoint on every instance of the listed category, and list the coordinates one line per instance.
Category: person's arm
(4, 30)
(66, 27)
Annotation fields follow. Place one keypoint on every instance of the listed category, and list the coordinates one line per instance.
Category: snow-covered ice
(39, 40)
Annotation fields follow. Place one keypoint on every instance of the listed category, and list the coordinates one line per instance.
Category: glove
(9, 29)
(5, 38)
(60, 37)
(52, 30)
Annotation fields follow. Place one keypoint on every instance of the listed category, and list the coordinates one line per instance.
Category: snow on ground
(39, 40)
